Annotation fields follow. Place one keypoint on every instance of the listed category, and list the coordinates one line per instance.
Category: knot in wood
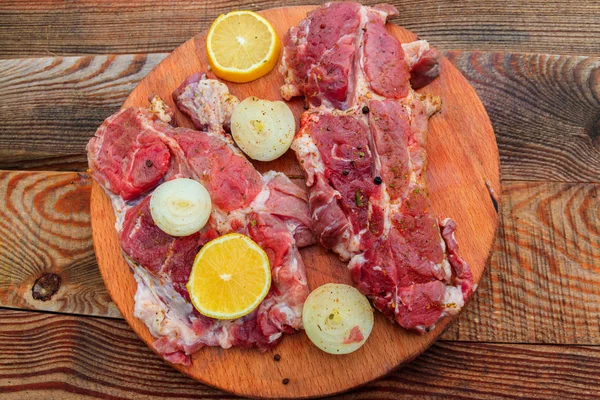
(45, 287)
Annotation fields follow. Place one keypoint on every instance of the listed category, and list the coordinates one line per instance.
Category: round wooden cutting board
(462, 158)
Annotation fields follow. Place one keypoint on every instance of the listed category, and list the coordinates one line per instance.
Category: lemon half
(242, 46)
(230, 277)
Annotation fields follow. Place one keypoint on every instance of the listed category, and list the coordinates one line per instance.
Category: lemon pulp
(230, 277)
(242, 46)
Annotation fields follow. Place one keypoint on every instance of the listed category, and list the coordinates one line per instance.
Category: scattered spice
(277, 357)
(149, 163)
(285, 381)
(345, 172)
(377, 180)
(358, 198)
(253, 223)
(365, 110)
(361, 154)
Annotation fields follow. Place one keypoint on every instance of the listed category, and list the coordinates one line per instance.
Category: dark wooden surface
(532, 329)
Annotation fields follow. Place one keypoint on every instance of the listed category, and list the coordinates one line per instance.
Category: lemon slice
(242, 46)
(230, 277)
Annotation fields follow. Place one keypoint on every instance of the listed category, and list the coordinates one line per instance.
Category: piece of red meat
(327, 52)
(319, 53)
(269, 208)
(423, 62)
(207, 102)
(384, 65)
(129, 158)
(347, 168)
(363, 151)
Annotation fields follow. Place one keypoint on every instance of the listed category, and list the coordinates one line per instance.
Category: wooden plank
(41, 27)
(47, 259)
(57, 356)
(51, 106)
(542, 285)
(544, 109)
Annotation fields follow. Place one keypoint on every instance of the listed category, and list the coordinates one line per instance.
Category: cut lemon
(242, 46)
(230, 277)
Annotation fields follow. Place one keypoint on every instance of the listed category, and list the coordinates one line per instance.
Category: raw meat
(362, 147)
(206, 102)
(134, 151)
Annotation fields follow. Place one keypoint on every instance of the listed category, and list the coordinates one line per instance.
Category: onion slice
(263, 129)
(337, 318)
(180, 207)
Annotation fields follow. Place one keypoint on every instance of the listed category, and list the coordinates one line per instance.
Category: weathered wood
(465, 162)
(40, 28)
(63, 357)
(542, 285)
(544, 109)
(45, 233)
(51, 106)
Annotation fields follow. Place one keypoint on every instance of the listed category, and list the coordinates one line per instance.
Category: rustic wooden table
(533, 327)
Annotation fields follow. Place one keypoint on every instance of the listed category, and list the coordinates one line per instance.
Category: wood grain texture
(547, 252)
(51, 106)
(545, 109)
(52, 27)
(466, 160)
(543, 285)
(45, 232)
(65, 357)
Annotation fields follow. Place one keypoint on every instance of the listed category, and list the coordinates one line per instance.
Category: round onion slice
(263, 129)
(337, 318)
(180, 207)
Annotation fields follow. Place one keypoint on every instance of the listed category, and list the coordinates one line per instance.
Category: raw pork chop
(362, 147)
(132, 152)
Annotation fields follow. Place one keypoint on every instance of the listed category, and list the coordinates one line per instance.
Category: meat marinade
(134, 151)
(362, 147)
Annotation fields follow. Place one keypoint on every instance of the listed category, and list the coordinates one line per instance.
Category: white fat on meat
(207, 101)
(166, 313)
(413, 51)
(307, 150)
(453, 300)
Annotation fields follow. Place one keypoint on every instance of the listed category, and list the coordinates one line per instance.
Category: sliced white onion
(263, 129)
(180, 207)
(337, 318)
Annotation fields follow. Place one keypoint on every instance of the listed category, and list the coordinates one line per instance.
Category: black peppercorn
(148, 163)
(365, 110)
(378, 180)
(345, 173)
(285, 381)
(276, 357)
